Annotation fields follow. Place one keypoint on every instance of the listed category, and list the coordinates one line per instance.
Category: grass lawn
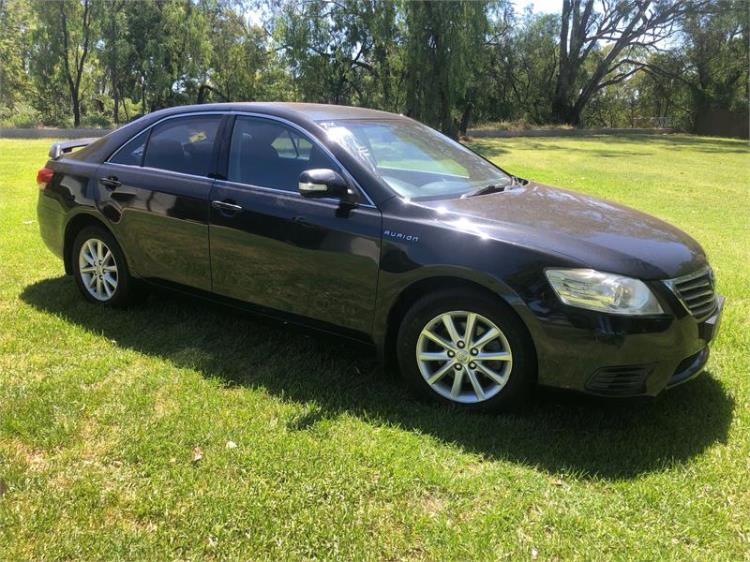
(100, 413)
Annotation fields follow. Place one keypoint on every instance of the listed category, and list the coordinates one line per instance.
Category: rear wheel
(99, 267)
(467, 349)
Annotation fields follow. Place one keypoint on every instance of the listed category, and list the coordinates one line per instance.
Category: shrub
(21, 115)
(97, 120)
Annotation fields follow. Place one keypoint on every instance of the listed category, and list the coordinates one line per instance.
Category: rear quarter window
(131, 153)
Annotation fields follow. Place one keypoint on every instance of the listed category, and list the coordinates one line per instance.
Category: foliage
(66, 34)
(21, 115)
(15, 49)
(449, 64)
(521, 69)
(442, 42)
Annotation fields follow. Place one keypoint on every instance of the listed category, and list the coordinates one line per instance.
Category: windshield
(414, 160)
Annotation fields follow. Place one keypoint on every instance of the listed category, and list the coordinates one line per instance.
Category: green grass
(100, 412)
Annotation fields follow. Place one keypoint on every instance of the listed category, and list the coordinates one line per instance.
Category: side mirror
(322, 182)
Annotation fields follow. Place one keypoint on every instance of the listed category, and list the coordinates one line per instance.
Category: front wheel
(467, 349)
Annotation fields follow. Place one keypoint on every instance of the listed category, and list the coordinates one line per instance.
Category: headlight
(604, 292)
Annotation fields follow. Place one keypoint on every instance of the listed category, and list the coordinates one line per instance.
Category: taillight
(43, 177)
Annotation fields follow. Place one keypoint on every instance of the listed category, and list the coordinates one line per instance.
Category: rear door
(155, 190)
(272, 247)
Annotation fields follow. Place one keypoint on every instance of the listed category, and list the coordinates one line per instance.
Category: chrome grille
(696, 292)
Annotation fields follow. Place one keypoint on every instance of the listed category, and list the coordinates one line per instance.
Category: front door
(274, 248)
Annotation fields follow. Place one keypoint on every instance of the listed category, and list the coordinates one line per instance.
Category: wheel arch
(72, 228)
(418, 288)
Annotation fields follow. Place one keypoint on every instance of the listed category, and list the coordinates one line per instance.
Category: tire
(108, 283)
(503, 367)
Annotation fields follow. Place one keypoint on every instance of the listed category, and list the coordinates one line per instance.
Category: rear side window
(269, 154)
(184, 145)
(131, 154)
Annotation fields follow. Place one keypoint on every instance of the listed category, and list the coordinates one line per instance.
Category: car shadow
(559, 433)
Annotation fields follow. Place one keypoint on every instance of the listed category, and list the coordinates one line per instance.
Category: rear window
(183, 144)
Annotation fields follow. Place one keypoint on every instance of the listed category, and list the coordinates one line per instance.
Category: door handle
(226, 207)
(110, 182)
(123, 195)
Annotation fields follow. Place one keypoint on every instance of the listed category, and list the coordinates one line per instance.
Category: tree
(707, 70)
(442, 43)
(114, 50)
(15, 46)
(170, 51)
(66, 28)
(380, 19)
(530, 67)
(339, 51)
(238, 57)
(626, 25)
(716, 56)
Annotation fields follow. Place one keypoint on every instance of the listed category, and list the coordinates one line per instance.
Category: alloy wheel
(464, 356)
(98, 269)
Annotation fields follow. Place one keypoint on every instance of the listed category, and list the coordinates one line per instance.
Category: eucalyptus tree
(523, 68)
(66, 30)
(342, 51)
(443, 40)
(113, 51)
(716, 55)
(15, 47)
(169, 53)
(238, 57)
(624, 27)
(706, 70)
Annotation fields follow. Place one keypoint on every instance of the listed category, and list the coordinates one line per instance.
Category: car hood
(587, 230)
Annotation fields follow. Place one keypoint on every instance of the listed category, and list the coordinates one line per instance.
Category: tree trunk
(75, 99)
(564, 112)
(116, 110)
(143, 95)
(124, 106)
(560, 101)
(466, 118)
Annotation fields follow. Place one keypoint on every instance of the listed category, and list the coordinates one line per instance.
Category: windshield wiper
(492, 188)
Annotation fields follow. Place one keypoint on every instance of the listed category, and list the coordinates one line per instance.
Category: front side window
(269, 154)
(184, 144)
(415, 161)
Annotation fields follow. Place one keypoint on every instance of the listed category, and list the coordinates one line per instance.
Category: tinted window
(269, 154)
(414, 160)
(183, 145)
(132, 152)
(290, 145)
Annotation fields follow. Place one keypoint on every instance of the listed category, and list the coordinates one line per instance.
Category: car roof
(293, 110)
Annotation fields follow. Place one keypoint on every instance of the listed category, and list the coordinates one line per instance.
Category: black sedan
(480, 284)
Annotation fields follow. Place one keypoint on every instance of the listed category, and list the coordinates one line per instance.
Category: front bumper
(616, 356)
(693, 366)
